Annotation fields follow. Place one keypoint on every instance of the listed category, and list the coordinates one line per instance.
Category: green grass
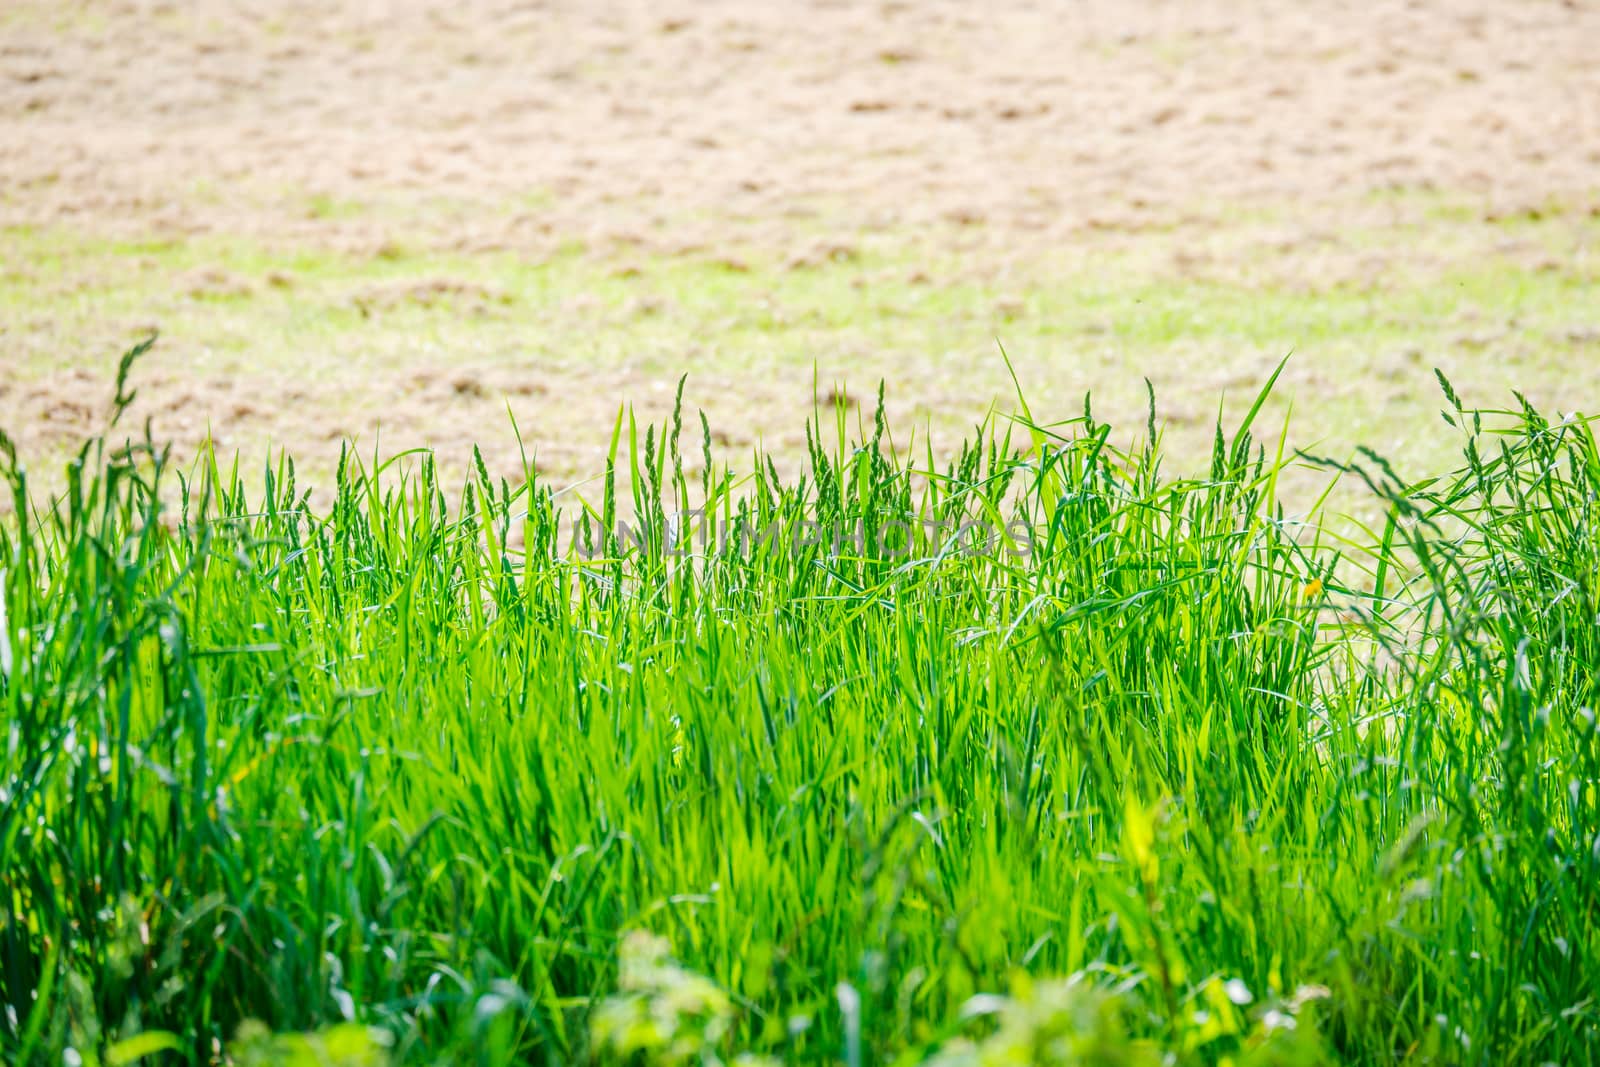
(1189, 778)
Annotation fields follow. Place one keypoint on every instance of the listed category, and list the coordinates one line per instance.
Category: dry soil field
(405, 217)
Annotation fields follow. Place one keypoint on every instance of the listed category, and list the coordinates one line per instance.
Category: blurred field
(407, 218)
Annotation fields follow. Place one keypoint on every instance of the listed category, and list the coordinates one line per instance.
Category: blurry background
(414, 215)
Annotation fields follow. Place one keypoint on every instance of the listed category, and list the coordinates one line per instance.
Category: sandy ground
(1036, 118)
(1006, 131)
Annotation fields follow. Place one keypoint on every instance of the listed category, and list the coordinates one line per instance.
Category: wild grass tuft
(1137, 768)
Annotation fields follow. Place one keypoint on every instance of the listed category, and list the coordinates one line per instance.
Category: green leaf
(135, 1048)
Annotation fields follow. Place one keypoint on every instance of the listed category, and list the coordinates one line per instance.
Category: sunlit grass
(1169, 783)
